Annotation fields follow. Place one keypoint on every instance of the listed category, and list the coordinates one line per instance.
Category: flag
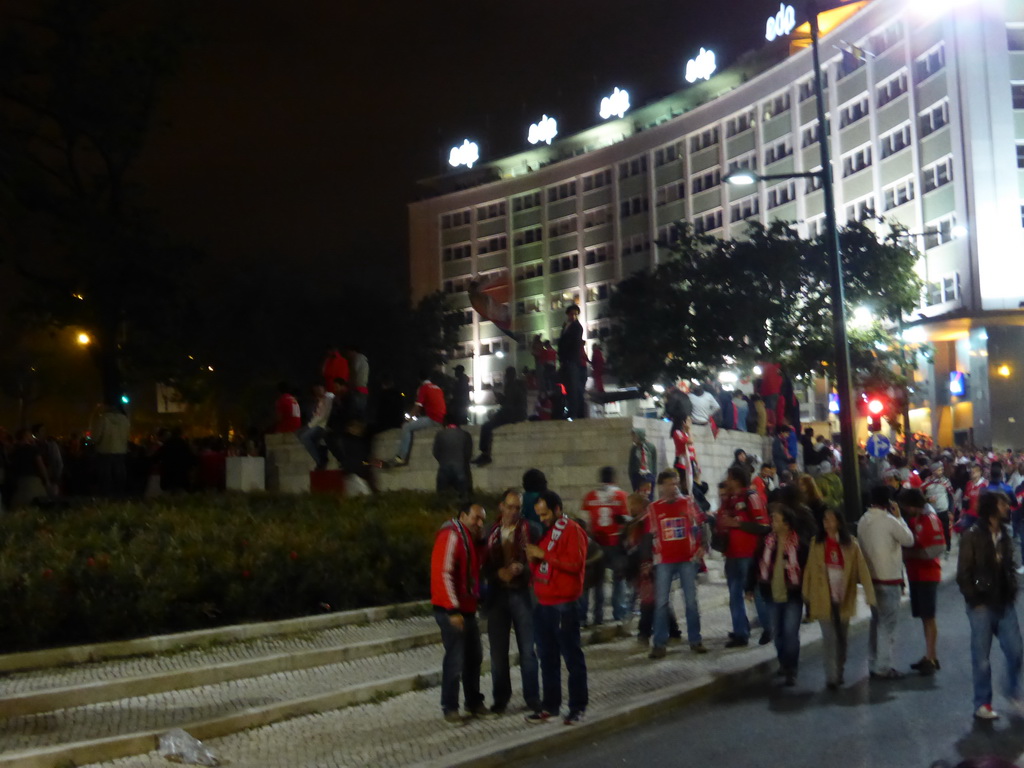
(853, 55)
(489, 296)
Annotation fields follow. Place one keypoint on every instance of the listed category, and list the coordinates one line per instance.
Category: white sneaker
(985, 712)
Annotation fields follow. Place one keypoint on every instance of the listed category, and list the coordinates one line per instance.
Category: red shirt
(833, 553)
(430, 397)
(748, 508)
(454, 569)
(758, 484)
(971, 494)
(606, 507)
(289, 417)
(335, 367)
(927, 530)
(558, 578)
(674, 525)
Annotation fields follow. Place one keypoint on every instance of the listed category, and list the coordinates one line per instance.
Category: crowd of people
(791, 556)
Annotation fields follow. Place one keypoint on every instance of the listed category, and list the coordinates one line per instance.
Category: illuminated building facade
(926, 124)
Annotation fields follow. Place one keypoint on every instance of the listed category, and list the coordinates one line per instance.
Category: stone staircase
(569, 453)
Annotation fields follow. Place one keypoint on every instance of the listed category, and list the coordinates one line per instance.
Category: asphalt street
(916, 721)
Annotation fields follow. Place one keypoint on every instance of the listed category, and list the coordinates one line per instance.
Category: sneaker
(698, 648)
(985, 712)
(675, 639)
(790, 680)
(482, 460)
(539, 718)
(453, 718)
(927, 667)
(889, 674)
(766, 637)
(398, 461)
(480, 710)
(658, 652)
(736, 642)
(498, 710)
(575, 717)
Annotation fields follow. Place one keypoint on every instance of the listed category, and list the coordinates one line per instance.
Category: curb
(81, 654)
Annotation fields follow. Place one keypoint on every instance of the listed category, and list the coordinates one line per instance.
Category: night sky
(294, 132)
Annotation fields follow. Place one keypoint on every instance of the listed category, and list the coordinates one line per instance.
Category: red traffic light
(875, 406)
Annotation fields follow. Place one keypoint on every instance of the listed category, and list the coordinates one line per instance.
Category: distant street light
(83, 339)
(1004, 371)
(863, 318)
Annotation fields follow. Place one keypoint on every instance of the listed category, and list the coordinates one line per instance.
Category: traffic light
(876, 407)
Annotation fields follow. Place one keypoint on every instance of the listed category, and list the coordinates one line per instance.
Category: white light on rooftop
(465, 155)
(543, 131)
(701, 67)
(781, 24)
(615, 105)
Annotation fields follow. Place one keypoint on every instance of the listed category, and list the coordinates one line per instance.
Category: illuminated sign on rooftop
(465, 155)
(701, 67)
(781, 24)
(543, 131)
(615, 105)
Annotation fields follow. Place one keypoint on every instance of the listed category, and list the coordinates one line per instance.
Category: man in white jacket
(882, 534)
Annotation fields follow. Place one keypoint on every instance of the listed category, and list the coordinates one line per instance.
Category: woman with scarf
(686, 454)
(778, 573)
(835, 565)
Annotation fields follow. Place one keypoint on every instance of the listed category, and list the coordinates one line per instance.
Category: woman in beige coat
(835, 565)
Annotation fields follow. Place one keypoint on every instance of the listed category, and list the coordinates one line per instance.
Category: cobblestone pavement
(191, 658)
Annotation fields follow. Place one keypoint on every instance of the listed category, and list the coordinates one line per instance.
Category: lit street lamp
(83, 339)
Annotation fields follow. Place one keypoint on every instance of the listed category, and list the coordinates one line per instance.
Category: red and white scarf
(792, 561)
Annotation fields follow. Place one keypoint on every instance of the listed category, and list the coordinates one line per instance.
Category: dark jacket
(570, 344)
(754, 581)
(983, 580)
(453, 447)
(634, 459)
(498, 554)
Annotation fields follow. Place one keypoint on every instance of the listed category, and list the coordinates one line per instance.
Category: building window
(933, 118)
(457, 285)
(597, 255)
(527, 236)
(891, 89)
(597, 180)
(598, 292)
(1017, 90)
(526, 202)
(669, 193)
(597, 217)
(559, 301)
(809, 135)
(945, 289)
(939, 232)
(848, 64)
(887, 38)
(564, 263)
(861, 210)
(530, 306)
(807, 86)
(492, 211)
(892, 142)
(563, 226)
(780, 150)
(1020, 155)
(708, 221)
(936, 175)
(853, 111)
(707, 180)
(744, 209)
(781, 194)
(633, 206)
(633, 167)
(739, 124)
(704, 140)
(745, 162)
(775, 107)
(816, 227)
(636, 244)
(897, 194)
(814, 183)
(668, 235)
(456, 252)
(666, 155)
(927, 65)
(492, 245)
(457, 219)
(530, 271)
(857, 160)
(1015, 38)
(562, 191)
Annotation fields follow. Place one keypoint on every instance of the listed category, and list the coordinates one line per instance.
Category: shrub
(109, 571)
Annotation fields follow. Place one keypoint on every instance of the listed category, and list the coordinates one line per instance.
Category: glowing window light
(781, 24)
(701, 67)
(615, 105)
(543, 130)
(465, 155)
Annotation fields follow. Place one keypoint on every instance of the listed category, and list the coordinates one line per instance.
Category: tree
(78, 83)
(716, 303)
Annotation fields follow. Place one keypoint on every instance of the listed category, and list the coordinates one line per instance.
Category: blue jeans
(310, 438)
(416, 425)
(557, 630)
(736, 571)
(1001, 622)
(463, 655)
(612, 561)
(664, 573)
(512, 608)
(786, 629)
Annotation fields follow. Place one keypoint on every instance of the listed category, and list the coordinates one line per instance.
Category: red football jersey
(605, 508)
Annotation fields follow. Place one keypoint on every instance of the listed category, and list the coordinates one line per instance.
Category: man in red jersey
(972, 491)
(454, 591)
(673, 523)
(289, 417)
(427, 413)
(335, 367)
(607, 512)
(924, 571)
(558, 563)
(744, 518)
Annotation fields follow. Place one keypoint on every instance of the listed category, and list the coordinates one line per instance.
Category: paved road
(913, 722)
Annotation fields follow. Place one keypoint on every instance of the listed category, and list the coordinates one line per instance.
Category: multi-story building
(926, 127)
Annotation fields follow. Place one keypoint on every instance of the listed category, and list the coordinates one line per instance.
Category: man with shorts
(923, 570)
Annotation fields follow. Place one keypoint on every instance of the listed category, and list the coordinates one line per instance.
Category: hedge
(112, 571)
